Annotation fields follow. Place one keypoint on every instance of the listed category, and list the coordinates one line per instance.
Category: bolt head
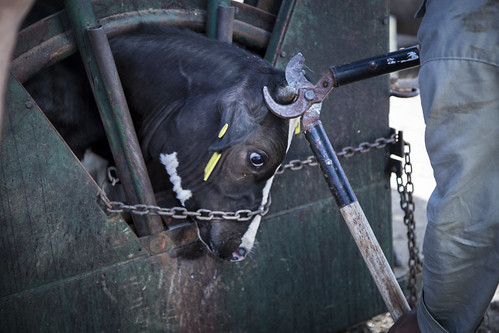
(310, 95)
(372, 65)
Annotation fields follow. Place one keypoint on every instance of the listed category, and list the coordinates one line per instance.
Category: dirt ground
(406, 115)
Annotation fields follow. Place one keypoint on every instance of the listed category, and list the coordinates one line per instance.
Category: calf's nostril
(241, 251)
(239, 254)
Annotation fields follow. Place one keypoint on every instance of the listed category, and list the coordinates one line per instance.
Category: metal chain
(407, 204)
(362, 148)
(182, 212)
(240, 215)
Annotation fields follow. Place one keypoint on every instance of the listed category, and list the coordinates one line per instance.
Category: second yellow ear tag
(223, 130)
(298, 127)
(208, 169)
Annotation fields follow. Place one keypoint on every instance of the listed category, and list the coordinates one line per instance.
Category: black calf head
(199, 110)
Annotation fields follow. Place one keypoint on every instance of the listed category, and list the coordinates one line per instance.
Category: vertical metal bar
(356, 221)
(280, 29)
(225, 23)
(211, 16)
(101, 71)
(211, 19)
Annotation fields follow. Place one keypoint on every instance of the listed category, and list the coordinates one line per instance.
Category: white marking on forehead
(170, 162)
(248, 239)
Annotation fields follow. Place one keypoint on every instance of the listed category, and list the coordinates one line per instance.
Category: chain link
(406, 189)
(362, 148)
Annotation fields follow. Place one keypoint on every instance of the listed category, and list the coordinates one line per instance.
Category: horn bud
(286, 94)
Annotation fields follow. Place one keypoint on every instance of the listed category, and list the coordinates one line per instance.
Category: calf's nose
(239, 254)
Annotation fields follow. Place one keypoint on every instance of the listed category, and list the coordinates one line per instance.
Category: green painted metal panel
(132, 296)
(52, 224)
(317, 283)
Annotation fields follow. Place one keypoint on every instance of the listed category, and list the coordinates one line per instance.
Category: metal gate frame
(63, 252)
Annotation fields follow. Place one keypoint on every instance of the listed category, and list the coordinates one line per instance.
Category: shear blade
(295, 75)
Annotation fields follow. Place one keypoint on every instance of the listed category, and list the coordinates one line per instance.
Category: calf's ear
(236, 125)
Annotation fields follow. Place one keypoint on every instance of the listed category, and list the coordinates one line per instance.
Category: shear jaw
(306, 104)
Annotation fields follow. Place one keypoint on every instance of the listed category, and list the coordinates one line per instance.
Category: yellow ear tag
(297, 128)
(215, 157)
(223, 130)
(211, 165)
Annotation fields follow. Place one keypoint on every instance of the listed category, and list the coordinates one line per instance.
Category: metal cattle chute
(72, 263)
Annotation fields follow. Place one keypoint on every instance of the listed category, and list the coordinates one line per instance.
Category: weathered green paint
(53, 226)
(66, 265)
(317, 283)
(69, 267)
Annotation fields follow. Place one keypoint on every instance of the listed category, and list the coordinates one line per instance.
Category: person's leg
(459, 81)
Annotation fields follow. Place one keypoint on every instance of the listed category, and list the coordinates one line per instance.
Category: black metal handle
(333, 172)
(375, 66)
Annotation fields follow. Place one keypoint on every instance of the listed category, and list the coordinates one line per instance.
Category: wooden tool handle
(375, 260)
(356, 220)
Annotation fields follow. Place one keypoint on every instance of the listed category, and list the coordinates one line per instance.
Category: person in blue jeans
(459, 83)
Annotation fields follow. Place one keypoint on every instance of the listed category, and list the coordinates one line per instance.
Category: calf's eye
(256, 159)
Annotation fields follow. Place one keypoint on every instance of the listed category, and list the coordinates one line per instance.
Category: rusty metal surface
(52, 224)
(66, 265)
(309, 94)
(120, 130)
